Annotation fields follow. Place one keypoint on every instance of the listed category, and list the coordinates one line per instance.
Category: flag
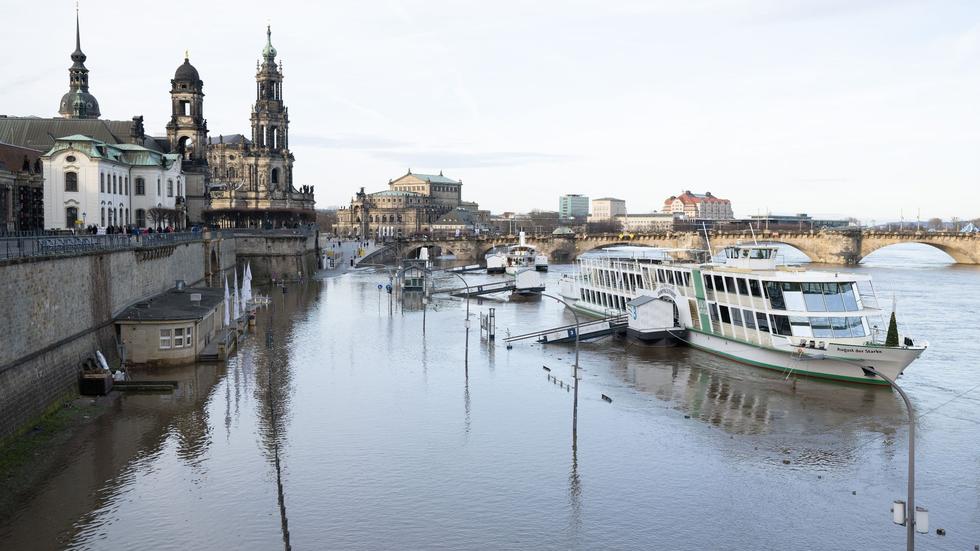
(227, 306)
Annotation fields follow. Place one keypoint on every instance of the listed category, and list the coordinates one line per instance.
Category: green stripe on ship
(699, 294)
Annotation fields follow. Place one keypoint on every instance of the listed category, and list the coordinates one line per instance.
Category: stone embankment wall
(58, 311)
(283, 256)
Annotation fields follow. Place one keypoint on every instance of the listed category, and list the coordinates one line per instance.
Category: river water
(339, 426)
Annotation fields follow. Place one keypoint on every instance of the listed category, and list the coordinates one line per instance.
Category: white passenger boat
(522, 256)
(749, 308)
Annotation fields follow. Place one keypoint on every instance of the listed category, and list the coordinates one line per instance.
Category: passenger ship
(749, 308)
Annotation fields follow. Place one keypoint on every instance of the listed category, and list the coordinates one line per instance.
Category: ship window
(781, 326)
(743, 287)
(725, 316)
(840, 327)
(687, 279)
(719, 284)
(821, 328)
(793, 296)
(709, 283)
(832, 296)
(755, 288)
(749, 318)
(730, 284)
(775, 293)
(713, 309)
(857, 328)
(813, 297)
(847, 292)
(736, 316)
(800, 326)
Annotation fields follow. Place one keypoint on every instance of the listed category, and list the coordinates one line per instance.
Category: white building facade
(644, 223)
(607, 208)
(88, 182)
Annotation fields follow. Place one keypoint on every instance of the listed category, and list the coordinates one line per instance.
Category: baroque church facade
(104, 172)
(252, 178)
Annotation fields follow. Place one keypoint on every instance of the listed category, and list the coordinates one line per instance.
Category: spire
(78, 56)
(269, 52)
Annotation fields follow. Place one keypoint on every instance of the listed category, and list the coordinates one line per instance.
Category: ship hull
(838, 362)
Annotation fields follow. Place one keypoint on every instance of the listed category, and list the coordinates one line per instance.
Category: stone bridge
(827, 246)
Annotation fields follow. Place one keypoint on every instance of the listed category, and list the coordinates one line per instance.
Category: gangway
(592, 329)
(464, 269)
(480, 289)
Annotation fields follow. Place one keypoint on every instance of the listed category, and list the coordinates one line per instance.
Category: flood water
(339, 426)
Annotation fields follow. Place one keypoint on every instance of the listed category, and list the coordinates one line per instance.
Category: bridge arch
(954, 253)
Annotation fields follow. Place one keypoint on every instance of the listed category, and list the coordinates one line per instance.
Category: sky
(864, 108)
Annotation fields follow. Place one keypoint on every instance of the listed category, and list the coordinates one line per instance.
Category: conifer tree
(891, 339)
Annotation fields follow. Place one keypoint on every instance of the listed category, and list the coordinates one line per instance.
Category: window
(71, 181)
(725, 316)
(781, 326)
(164, 339)
(743, 287)
(113, 184)
(188, 333)
(749, 318)
(180, 190)
(813, 297)
(821, 328)
(141, 218)
(170, 188)
(847, 292)
(736, 316)
(102, 182)
(127, 186)
(755, 288)
(762, 321)
(179, 337)
(102, 218)
(158, 187)
(140, 186)
(775, 293)
(800, 326)
(833, 297)
(730, 284)
(709, 283)
(71, 216)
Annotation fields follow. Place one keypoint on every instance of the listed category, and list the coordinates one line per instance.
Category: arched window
(114, 189)
(141, 218)
(170, 188)
(127, 186)
(71, 182)
(180, 188)
(275, 175)
(158, 187)
(71, 215)
(102, 218)
(102, 182)
(140, 186)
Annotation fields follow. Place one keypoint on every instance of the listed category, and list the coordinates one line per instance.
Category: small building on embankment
(172, 328)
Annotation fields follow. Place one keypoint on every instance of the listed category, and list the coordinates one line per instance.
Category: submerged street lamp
(905, 513)
(575, 367)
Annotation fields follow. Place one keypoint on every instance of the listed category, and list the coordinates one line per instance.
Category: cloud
(455, 159)
(347, 141)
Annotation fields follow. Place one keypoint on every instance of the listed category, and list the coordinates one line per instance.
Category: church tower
(78, 103)
(270, 124)
(187, 130)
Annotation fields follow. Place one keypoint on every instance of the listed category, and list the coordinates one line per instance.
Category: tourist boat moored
(749, 308)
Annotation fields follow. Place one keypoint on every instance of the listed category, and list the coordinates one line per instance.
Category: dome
(187, 72)
(269, 52)
(79, 105)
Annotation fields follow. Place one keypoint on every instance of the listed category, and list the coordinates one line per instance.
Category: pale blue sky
(832, 107)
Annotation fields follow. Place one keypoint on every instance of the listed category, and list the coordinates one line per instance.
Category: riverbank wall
(59, 310)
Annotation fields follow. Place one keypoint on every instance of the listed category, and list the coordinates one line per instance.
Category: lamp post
(575, 367)
(909, 517)
(466, 358)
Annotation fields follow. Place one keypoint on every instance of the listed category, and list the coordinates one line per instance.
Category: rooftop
(174, 305)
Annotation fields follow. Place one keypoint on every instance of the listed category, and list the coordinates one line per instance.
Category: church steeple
(78, 103)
